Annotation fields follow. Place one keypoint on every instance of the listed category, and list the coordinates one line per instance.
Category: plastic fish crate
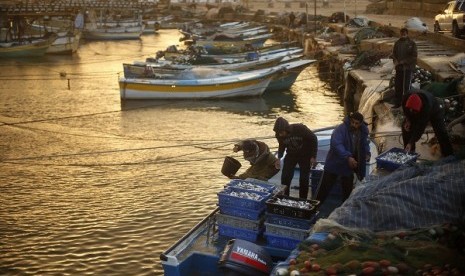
(281, 242)
(226, 199)
(288, 232)
(315, 178)
(241, 212)
(391, 166)
(267, 188)
(238, 233)
(291, 222)
(237, 222)
(302, 213)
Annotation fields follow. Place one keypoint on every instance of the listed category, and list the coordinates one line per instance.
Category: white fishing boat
(27, 47)
(66, 43)
(113, 33)
(239, 84)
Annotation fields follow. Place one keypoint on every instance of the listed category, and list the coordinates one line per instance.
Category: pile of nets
(437, 250)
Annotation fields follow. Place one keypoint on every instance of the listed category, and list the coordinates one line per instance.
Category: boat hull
(37, 48)
(147, 89)
(65, 44)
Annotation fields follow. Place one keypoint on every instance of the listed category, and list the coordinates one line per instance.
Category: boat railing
(209, 222)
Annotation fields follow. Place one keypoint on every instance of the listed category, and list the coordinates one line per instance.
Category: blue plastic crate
(281, 242)
(238, 233)
(242, 212)
(261, 186)
(291, 222)
(391, 166)
(225, 198)
(238, 222)
(288, 232)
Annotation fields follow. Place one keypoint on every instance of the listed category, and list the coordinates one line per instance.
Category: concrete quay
(368, 88)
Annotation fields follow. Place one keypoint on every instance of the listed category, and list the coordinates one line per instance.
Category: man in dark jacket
(421, 108)
(404, 55)
(348, 152)
(301, 146)
(262, 161)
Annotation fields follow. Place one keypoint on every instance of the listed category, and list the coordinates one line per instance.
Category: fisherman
(421, 108)
(348, 153)
(301, 146)
(404, 55)
(291, 20)
(262, 161)
(79, 21)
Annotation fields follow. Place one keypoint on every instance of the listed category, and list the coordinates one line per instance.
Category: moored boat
(288, 76)
(240, 84)
(200, 251)
(222, 44)
(26, 48)
(113, 33)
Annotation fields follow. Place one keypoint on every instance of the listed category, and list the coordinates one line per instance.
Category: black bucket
(230, 166)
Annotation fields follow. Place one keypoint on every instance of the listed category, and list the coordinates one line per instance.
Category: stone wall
(418, 7)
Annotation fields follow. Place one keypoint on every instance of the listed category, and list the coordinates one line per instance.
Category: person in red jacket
(421, 108)
(301, 146)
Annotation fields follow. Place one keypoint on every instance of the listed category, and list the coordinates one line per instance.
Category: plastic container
(288, 232)
(251, 185)
(391, 166)
(281, 242)
(273, 207)
(304, 224)
(239, 233)
(226, 197)
(315, 178)
(245, 258)
(242, 212)
(230, 166)
(238, 222)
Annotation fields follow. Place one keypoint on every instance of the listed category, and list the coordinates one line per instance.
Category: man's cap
(281, 125)
(414, 102)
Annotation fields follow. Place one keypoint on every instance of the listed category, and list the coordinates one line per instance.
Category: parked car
(452, 19)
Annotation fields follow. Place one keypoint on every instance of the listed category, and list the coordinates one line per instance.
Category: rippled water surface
(93, 186)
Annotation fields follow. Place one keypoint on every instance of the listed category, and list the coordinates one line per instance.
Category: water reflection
(275, 102)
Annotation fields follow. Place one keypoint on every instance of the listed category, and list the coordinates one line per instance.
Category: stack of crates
(242, 207)
(288, 220)
(315, 178)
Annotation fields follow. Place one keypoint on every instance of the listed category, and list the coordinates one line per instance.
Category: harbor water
(93, 186)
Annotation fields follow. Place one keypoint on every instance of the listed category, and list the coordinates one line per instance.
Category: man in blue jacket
(348, 152)
(301, 146)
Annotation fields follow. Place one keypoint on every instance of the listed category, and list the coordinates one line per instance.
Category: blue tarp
(416, 196)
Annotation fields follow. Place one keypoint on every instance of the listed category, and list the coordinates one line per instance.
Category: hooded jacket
(340, 150)
(301, 141)
(262, 162)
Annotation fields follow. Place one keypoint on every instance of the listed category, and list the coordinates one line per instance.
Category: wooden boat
(26, 48)
(199, 251)
(151, 70)
(224, 45)
(66, 43)
(241, 84)
(113, 33)
(288, 76)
